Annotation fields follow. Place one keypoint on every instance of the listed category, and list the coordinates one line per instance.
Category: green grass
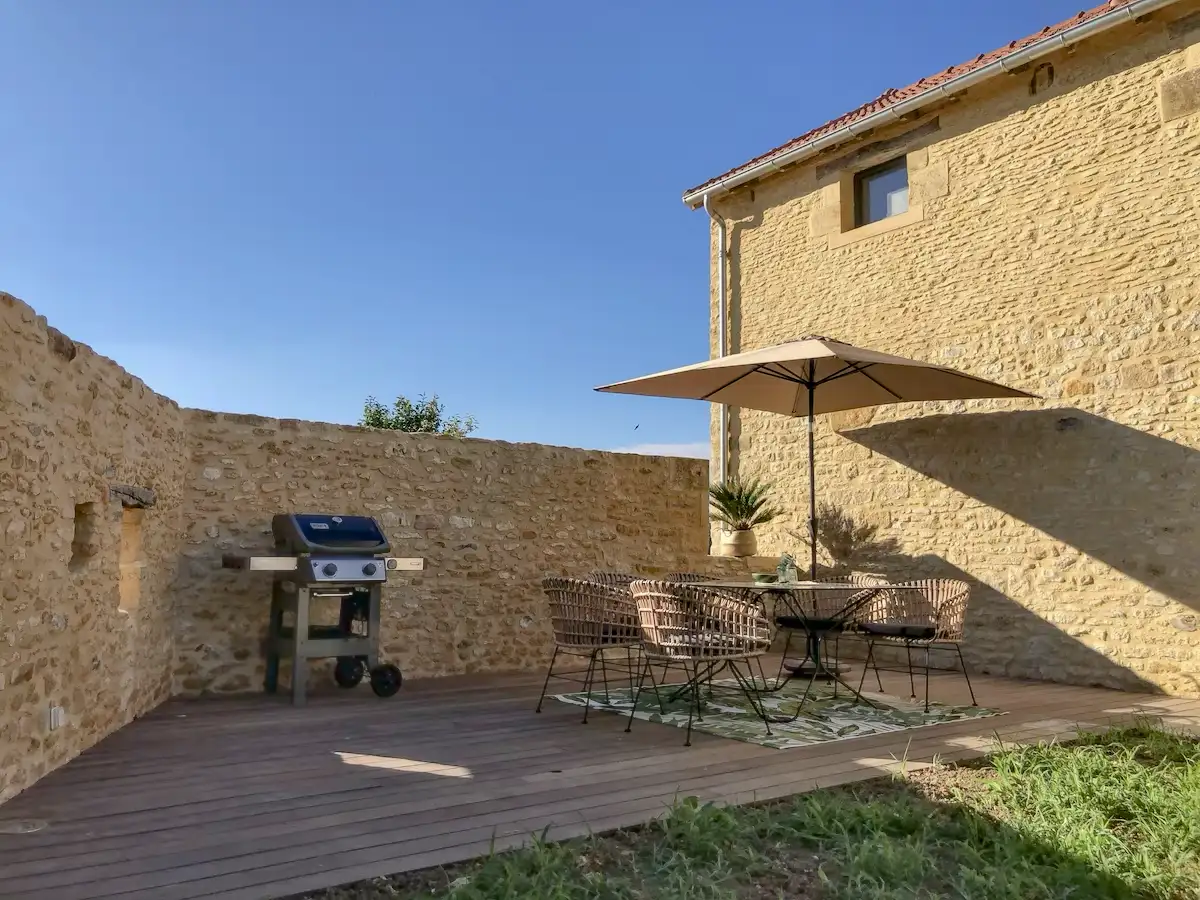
(1108, 817)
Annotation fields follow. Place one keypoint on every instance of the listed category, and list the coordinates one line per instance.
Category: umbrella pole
(812, 484)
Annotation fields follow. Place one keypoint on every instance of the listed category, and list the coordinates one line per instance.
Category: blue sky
(281, 208)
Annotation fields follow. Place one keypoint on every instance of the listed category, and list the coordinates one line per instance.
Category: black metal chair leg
(912, 684)
(763, 675)
(662, 707)
(588, 681)
(963, 663)
(604, 675)
(862, 679)
(835, 668)
(637, 695)
(787, 645)
(747, 686)
(693, 707)
(546, 683)
(926, 678)
(808, 688)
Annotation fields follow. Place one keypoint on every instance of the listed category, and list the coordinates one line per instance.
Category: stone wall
(1053, 246)
(84, 615)
(489, 518)
(116, 507)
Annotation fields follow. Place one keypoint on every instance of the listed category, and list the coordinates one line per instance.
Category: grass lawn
(1112, 815)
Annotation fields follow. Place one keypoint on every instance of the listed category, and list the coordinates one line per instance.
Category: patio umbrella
(809, 376)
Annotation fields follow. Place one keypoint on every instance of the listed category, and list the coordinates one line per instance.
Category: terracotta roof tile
(895, 95)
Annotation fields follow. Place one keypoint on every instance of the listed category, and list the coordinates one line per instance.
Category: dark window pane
(882, 192)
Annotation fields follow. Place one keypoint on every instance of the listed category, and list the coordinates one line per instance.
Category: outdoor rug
(728, 714)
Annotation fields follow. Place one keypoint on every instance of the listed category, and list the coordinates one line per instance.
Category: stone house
(1029, 216)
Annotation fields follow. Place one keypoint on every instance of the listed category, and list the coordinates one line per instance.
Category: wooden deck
(250, 799)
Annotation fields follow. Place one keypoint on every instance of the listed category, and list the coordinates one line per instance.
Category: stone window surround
(915, 213)
(848, 200)
(925, 181)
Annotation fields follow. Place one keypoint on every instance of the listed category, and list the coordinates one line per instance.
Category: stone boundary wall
(489, 518)
(115, 508)
(85, 571)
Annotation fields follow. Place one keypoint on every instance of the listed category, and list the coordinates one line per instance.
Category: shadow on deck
(249, 799)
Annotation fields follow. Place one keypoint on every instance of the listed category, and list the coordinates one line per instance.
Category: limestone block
(133, 497)
(929, 182)
(1179, 95)
(826, 215)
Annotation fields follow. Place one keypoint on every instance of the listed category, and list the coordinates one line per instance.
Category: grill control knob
(330, 570)
(369, 569)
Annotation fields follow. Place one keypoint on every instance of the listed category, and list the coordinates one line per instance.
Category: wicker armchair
(588, 619)
(688, 577)
(704, 631)
(821, 615)
(613, 579)
(926, 614)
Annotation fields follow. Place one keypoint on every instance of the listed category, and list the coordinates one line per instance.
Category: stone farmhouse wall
(1052, 244)
(116, 507)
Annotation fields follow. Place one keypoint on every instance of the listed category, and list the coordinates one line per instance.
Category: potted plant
(741, 506)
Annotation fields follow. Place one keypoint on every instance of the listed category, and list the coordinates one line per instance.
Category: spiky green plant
(741, 505)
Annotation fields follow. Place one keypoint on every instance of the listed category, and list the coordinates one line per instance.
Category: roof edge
(777, 159)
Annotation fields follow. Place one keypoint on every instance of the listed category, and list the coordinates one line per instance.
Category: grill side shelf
(258, 563)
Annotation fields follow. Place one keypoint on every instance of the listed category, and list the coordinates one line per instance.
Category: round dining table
(816, 629)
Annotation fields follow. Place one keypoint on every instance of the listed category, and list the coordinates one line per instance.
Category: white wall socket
(57, 718)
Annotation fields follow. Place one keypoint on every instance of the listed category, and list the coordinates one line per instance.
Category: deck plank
(248, 798)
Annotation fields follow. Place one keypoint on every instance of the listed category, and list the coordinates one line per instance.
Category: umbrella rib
(860, 369)
(729, 383)
(757, 369)
(788, 375)
(881, 384)
(850, 369)
(799, 379)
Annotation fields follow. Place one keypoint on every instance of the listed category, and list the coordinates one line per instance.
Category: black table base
(816, 666)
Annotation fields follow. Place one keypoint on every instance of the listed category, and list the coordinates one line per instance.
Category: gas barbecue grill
(327, 557)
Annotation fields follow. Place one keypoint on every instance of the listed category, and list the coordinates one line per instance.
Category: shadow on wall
(1122, 497)
(1032, 648)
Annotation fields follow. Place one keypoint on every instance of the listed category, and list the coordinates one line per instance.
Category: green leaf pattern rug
(728, 714)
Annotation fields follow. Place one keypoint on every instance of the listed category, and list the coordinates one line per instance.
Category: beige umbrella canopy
(810, 376)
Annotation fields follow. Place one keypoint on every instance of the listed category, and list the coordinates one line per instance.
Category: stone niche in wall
(134, 501)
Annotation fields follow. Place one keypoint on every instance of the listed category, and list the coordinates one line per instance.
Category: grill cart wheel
(349, 671)
(385, 680)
